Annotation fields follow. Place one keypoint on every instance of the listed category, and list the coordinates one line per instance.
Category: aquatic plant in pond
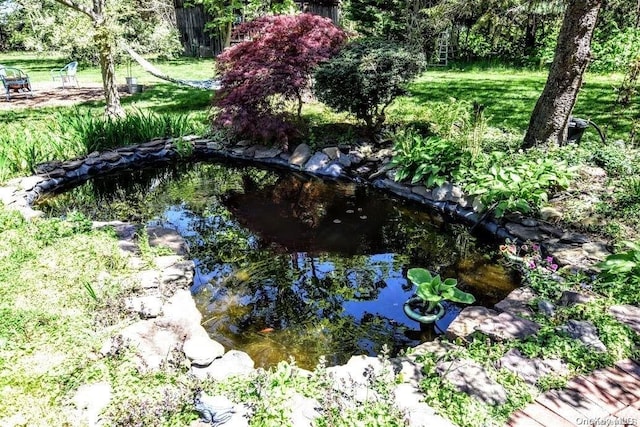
(287, 265)
(431, 291)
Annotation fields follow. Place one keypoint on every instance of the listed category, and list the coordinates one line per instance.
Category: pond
(288, 264)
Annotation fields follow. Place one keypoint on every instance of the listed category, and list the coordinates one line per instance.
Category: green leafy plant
(430, 160)
(433, 290)
(619, 275)
(515, 184)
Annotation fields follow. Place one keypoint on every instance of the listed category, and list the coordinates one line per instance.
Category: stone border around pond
(363, 164)
(167, 304)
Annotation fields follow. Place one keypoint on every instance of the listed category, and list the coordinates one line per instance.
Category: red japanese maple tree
(263, 79)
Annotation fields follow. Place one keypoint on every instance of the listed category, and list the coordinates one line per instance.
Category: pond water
(291, 265)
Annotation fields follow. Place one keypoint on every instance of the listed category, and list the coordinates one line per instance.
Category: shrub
(262, 76)
(365, 78)
(619, 275)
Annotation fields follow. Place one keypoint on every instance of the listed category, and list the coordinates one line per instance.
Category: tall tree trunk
(113, 108)
(105, 43)
(550, 116)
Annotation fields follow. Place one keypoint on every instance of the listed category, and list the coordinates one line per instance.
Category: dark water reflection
(290, 265)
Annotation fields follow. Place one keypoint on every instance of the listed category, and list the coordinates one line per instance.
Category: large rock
(517, 302)
(471, 378)
(168, 238)
(627, 314)
(467, 321)
(317, 162)
(266, 152)
(506, 326)
(233, 363)
(91, 400)
(303, 410)
(147, 306)
(410, 401)
(300, 155)
(530, 370)
(332, 152)
(202, 350)
(585, 332)
(524, 232)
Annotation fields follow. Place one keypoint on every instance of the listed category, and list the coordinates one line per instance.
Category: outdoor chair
(66, 74)
(16, 80)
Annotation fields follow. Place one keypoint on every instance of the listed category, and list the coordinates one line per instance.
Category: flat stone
(147, 306)
(569, 298)
(546, 308)
(570, 237)
(233, 363)
(506, 326)
(300, 155)
(333, 170)
(596, 251)
(548, 213)
(456, 194)
(568, 254)
(410, 401)
(316, 162)
(8, 194)
(524, 232)
(29, 182)
(477, 204)
(530, 370)
(148, 279)
(166, 261)
(303, 410)
(551, 230)
(332, 152)
(471, 378)
(585, 332)
(91, 400)
(266, 153)
(517, 302)
(467, 321)
(442, 192)
(345, 161)
(168, 238)
(592, 172)
(110, 156)
(213, 146)
(627, 314)
(423, 191)
(202, 350)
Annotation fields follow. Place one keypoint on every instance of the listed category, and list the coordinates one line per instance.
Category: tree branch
(80, 8)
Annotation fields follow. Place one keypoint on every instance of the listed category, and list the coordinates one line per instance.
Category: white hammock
(210, 84)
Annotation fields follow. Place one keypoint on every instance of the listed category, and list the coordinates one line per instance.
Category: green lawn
(509, 97)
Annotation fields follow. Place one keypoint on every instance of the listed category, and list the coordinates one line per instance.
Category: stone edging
(363, 164)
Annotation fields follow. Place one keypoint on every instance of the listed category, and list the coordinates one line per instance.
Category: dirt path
(50, 95)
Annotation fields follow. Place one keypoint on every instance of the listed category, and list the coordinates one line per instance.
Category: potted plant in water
(425, 306)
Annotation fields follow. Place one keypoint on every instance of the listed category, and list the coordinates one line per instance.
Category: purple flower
(535, 247)
(524, 248)
(549, 259)
(531, 264)
(553, 267)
